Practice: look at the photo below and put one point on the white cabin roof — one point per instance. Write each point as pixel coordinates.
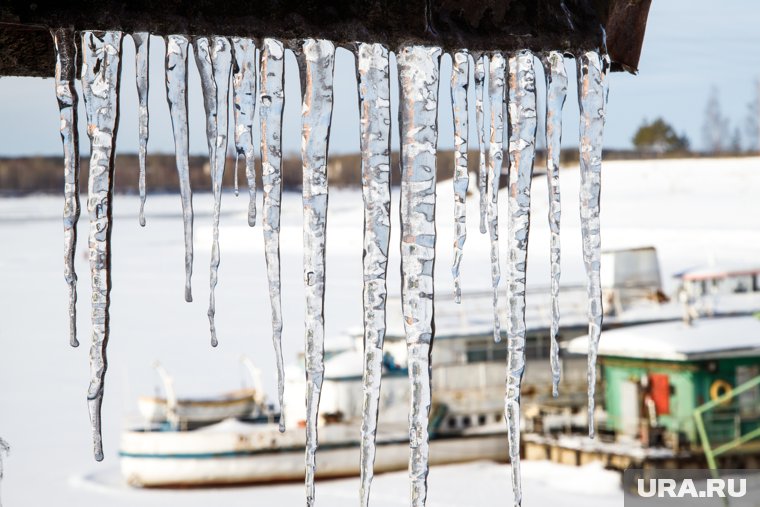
(677, 341)
(346, 364)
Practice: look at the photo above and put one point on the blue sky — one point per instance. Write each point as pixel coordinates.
(690, 46)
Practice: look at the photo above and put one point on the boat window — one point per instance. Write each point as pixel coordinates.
(481, 420)
(535, 348)
(477, 351)
(466, 421)
(749, 400)
(740, 284)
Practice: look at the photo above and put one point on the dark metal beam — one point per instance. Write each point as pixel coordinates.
(567, 25)
(626, 24)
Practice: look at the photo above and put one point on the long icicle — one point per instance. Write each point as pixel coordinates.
(142, 54)
(316, 59)
(418, 74)
(221, 56)
(244, 99)
(375, 111)
(5, 450)
(592, 101)
(68, 100)
(522, 147)
(480, 78)
(556, 92)
(202, 55)
(460, 78)
(100, 86)
(496, 70)
(272, 102)
(176, 96)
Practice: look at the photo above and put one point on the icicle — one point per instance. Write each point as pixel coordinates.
(100, 86)
(460, 78)
(592, 102)
(556, 91)
(236, 184)
(214, 60)
(270, 112)
(316, 59)
(418, 69)
(244, 97)
(68, 100)
(374, 107)
(496, 70)
(480, 78)
(202, 55)
(142, 53)
(5, 450)
(522, 146)
(176, 96)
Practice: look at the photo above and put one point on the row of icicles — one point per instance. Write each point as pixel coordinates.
(258, 82)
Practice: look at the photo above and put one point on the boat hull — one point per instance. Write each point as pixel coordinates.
(194, 467)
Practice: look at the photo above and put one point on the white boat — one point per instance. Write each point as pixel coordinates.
(236, 452)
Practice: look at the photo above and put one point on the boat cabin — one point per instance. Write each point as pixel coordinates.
(719, 289)
(469, 367)
(656, 377)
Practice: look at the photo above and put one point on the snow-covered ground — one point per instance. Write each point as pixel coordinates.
(693, 211)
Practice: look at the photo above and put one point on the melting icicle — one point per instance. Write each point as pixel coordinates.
(480, 78)
(522, 146)
(142, 52)
(68, 100)
(556, 91)
(316, 59)
(374, 107)
(236, 184)
(214, 60)
(460, 78)
(244, 98)
(592, 101)
(270, 111)
(202, 55)
(418, 69)
(100, 87)
(5, 450)
(176, 96)
(496, 70)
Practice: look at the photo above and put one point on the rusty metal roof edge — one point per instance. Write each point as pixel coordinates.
(570, 26)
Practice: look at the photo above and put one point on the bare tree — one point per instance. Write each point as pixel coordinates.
(752, 122)
(736, 141)
(715, 128)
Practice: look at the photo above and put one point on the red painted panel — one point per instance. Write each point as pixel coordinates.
(660, 391)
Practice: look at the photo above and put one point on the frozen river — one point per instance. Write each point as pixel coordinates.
(693, 211)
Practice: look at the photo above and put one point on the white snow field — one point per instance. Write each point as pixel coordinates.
(694, 211)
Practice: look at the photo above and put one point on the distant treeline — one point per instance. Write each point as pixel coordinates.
(45, 174)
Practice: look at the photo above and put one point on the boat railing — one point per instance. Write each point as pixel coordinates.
(719, 421)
